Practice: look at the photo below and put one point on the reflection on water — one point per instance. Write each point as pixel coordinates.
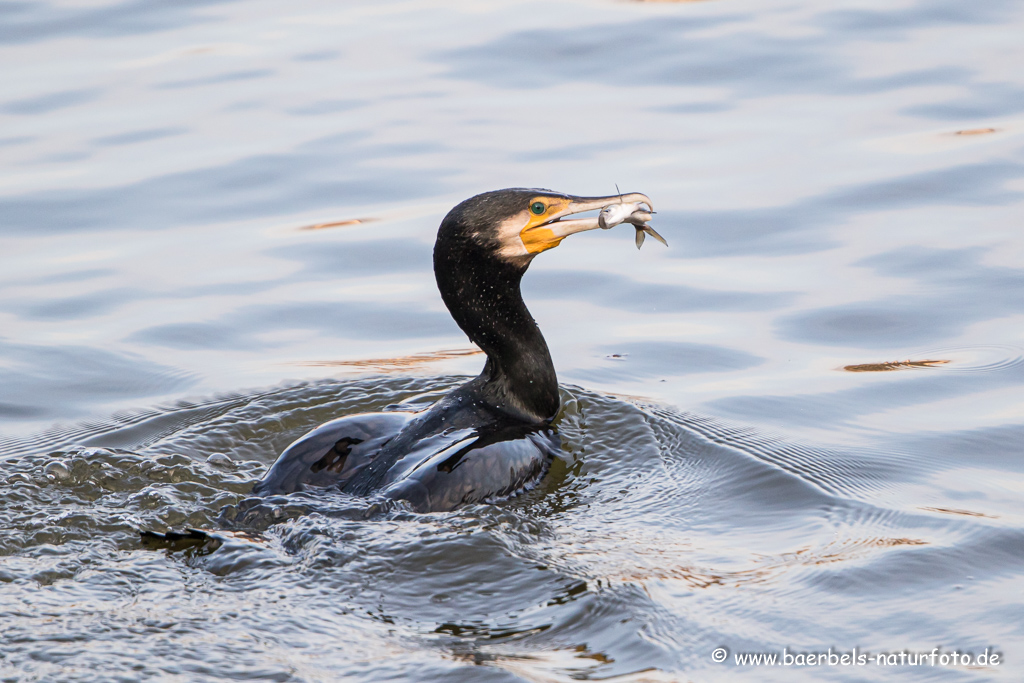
(338, 224)
(950, 511)
(840, 190)
(976, 131)
(894, 365)
(402, 363)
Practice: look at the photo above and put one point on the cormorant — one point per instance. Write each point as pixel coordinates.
(490, 437)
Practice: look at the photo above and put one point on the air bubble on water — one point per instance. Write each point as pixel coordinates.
(57, 471)
(218, 459)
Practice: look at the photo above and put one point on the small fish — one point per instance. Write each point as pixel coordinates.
(614, 214)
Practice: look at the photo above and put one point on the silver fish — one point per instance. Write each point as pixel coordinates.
(614, 214)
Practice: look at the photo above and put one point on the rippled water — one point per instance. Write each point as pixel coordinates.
(798, 427)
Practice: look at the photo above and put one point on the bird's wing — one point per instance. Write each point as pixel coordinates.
(332, 453)
(493, 465)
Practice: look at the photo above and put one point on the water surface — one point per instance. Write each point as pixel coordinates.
(761, 449)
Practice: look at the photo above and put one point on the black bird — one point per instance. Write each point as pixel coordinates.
(492, 436)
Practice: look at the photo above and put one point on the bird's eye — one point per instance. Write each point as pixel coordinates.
(538, 208)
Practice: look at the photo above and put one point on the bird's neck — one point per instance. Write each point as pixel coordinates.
(482, 293)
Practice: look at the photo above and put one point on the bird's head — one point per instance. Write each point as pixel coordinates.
(517, 224)
(483, 248)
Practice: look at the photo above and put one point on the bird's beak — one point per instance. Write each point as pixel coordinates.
(547, 231)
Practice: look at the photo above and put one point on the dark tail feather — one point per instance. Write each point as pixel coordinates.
(193, 538)
(186, 537)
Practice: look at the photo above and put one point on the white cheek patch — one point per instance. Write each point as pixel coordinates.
(508, 237)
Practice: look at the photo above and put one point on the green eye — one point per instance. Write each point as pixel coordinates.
(538, 208)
